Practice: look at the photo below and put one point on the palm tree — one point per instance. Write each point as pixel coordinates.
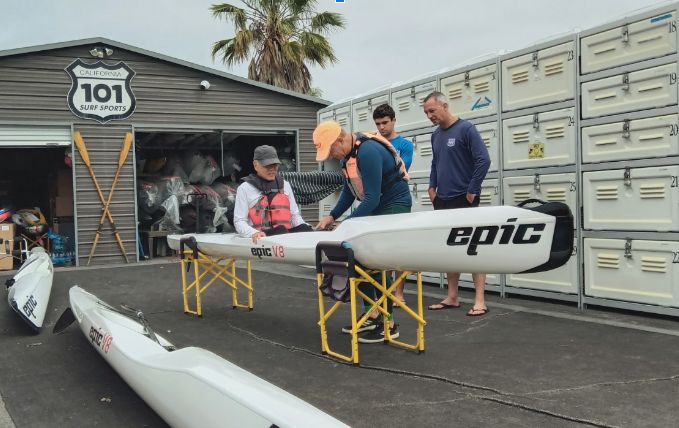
(281, 37)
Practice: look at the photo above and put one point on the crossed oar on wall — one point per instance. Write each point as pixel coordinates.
(127, 143)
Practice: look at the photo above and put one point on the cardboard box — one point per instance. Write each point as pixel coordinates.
(6, 246)
(63, 206)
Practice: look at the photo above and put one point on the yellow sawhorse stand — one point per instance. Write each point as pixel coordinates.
(207, 271)
(344, 289)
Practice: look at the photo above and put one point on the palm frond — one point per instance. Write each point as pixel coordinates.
(317, 49)
(327, 21)
(230, 12)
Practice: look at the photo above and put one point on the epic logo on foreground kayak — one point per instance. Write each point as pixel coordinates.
(485, 235)
(30, 306)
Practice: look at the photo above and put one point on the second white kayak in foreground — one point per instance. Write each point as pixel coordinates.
(188, 387)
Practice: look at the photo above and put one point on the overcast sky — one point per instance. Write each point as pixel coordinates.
(385, 41)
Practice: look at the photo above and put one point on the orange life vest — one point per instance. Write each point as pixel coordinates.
(271, 211)
(353, 174)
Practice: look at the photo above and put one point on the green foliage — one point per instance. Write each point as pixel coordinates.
(280, 37)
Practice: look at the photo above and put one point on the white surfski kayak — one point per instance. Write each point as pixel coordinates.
(29, 290)
(502, 239)
(188, 387)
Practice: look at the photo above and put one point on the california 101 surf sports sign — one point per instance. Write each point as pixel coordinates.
(100, 91)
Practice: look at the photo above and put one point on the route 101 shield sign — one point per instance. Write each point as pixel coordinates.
(100, 91)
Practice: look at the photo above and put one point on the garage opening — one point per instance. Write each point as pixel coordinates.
(36, 195)
(186, 181)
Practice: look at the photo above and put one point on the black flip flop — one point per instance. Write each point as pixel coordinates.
(443, 306)
(482, 312)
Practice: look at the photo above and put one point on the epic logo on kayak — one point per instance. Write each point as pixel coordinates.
(486, 235)
(274, 251)
(103, 341)
(30, 306)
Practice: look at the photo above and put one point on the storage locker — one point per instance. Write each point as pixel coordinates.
(491, 139)
(328, 203)
(563, 279)
(644, 199)
(326, 115)
(490, 193)
(632, 270)
(340, 115)
(539, 140)
(648, 38)
(419, 192)
(407, 103)
(362, 113)
(631, 139)
(548, 187)
(422, 156)
(630, 91)
(473, 93)
(541, 77)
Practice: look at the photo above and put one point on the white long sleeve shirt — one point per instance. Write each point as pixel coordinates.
(247, 196)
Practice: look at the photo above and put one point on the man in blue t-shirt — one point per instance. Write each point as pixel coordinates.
(373, 175)
(385, 121)
(459, 165)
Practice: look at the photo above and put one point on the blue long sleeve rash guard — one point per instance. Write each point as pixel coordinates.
(375, 164)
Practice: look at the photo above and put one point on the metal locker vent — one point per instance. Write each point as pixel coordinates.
(520, 76)
(652, 191)
(650, 88)
(342, 121)
(424, 150)
(606, 193)
(424, 199)
(557, 131)
(486, 141)
(485, 198)
(556, 195)
(605, 96)
(608, 261)
(483, 86)
(650, 137)
(420, 100)
(605, 142)
(604, 50)
(521, 195)
(554, 68)
(521, 136)
(403, 105)
(654, 264)
(327, 208)
(363, 116)
(649, 39)
(455, 93)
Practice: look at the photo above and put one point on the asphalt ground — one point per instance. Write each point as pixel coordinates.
(527, 363)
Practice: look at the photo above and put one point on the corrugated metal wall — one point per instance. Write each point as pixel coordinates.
(33, 88)
(103, 146)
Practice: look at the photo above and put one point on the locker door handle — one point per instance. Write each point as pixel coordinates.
(536, 61)
(628, 248)
(625, 34)
(625, 82)
(627, 177)
(625, 129)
